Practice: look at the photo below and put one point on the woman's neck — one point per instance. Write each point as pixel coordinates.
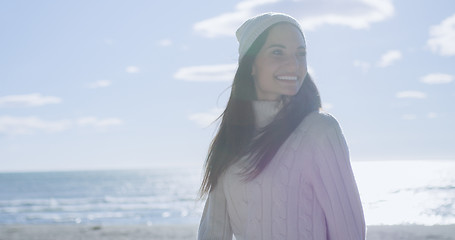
(265, 111)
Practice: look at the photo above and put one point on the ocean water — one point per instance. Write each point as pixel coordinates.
(157, 196)
(398, 192)
(407, 192)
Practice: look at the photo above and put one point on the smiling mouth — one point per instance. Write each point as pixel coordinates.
(287, 78)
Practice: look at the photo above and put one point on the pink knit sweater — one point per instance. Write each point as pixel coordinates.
(308, 190)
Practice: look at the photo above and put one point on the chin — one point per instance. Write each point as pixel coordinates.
(290, 93)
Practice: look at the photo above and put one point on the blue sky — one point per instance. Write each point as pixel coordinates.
(135, 84)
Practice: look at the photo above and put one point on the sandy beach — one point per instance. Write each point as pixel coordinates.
(411, 232)
(96, 232)
(184, 232)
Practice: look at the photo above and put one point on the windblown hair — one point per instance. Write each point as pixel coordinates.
(236, 133)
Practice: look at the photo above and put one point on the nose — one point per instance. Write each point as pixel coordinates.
(292, 63)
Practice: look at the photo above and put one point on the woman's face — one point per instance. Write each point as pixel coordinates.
(280, 66)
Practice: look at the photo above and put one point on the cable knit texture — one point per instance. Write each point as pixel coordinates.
(308, 190)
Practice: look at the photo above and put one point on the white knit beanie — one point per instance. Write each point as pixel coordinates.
(253, 27)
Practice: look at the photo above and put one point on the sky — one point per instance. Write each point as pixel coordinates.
(88, 85)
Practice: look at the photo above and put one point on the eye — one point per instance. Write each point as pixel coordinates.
(301, 54)
(277, 52)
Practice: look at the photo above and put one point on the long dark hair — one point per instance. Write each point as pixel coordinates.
(236, 131)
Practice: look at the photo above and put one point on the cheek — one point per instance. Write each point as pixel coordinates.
(303, 65)
(263, 76)
(264, 68)
(257, 67)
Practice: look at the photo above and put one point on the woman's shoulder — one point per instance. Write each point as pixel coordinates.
(317, 126)
(318, 121)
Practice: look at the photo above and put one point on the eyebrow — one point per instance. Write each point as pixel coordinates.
(282, 46)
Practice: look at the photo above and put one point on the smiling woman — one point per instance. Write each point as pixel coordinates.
(278, 167)
(280, 66)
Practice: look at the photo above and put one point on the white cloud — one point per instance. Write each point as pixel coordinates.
(311, 71)
(442, 37)
(27, 125)
(99, 123)
(411, 94)
(28, 100)
(165, 42)
(100, 84)
(327, 106)
(432, 115)
(389, 57)
(205, 119)
(357, 14)
(437, 78)
(132, 69)
(207, 73)
(365, 66)
(409, 116)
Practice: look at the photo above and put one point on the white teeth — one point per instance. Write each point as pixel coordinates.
(289, 78)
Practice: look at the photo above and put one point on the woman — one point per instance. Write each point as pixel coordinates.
(278, 168)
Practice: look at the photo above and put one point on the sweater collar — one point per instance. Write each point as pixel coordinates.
(265, 112)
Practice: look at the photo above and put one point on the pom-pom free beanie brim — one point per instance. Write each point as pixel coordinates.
(250, 30)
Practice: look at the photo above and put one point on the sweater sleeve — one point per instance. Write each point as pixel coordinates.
(215, 223)
(334, 184)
